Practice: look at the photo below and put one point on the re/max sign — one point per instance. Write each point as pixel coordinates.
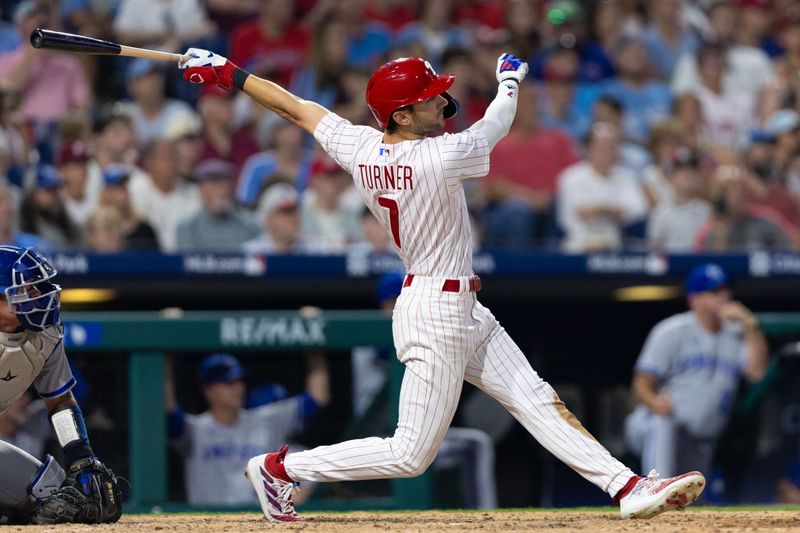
(269, 331)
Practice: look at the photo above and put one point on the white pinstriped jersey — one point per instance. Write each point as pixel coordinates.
(414, 189)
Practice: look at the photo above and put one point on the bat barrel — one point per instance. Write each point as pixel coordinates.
(69, 42)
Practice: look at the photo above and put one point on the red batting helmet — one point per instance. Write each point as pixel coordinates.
(403, 82)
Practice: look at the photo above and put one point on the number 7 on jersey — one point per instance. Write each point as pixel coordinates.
(394, 217)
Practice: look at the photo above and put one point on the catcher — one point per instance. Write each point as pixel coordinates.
(32, 352)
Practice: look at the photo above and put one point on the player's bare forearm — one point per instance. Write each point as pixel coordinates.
(318, 377)
(645, 389)
(757, 353)
(303, 113)
(54, 403)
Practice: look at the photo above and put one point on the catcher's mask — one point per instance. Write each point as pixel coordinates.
(27, 281)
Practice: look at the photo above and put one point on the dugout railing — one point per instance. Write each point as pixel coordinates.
(149, 336)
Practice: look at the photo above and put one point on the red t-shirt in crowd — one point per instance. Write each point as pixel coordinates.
(532, 162)
(243, 145)
(278, 59)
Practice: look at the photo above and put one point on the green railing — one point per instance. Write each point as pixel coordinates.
(148, 335)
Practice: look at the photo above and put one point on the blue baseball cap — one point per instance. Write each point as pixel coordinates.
(139, 67)
(219, 368)
(47, 177)
(116, 174)
(705, 278)
(389, 286)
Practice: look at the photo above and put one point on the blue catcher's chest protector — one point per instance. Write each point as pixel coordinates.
(27, 282)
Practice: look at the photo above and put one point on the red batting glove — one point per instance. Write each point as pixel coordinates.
(207, 67)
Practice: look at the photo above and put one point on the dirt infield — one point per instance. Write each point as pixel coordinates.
(410, 522)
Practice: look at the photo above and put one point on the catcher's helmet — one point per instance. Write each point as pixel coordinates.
(26, 279)
(403, 82)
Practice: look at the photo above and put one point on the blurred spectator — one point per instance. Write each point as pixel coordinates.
(138, 235)
(219, 138)
(10, 39)
(665, 139)
(168, 25)
(375, 238)
(433, 32)
(9, 234)
(282, 163)
(114, 140)
(186, 132)
(733, 226)
(785, 89)
(597, 197)
(673, 225)
(765, 182)
(49, 83)
(755, 22)
(645, 101)
(105, 231)
(161, 198)
(151, 111)
(273, 45)
(519, 194)
(42, 211)
(79, 196)
(687, 375)
(565, 103)
(784, 128)
(748, 69)
(13, 145)
(25, 424)
(522, 20)
(565, 27)
(632, 155)
(687, 111)
(320, 81)
(279, 213)
(328, 223)
(461, 63)
(393, 13)
(367, 41)
(667, 38)
(227, 14)
(605, 31)
(217, 443)
(220, 224)
(728, 114)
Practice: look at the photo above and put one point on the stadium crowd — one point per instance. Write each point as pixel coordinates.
(664, 125)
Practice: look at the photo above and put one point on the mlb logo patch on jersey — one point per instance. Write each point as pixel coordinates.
(383, 151)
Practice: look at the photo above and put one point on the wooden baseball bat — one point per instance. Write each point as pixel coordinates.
(69, 42)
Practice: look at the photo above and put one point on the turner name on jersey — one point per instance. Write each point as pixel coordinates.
(386, 177)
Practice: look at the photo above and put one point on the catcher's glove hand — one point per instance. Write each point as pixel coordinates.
(63, 506)
(99, 486)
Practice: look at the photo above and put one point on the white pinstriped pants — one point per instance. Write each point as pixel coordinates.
(444, 338)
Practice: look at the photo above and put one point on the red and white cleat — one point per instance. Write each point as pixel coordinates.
(648, 496)
(273, 488)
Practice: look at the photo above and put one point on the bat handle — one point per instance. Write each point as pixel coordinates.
(132, 51)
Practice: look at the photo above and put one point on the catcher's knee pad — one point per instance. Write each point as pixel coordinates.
(47, 480)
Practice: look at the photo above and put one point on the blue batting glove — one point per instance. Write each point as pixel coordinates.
(510, 67)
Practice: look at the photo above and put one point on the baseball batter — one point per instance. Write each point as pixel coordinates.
(413, 184)
(32, 352)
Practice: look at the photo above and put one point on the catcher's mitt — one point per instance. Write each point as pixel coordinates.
(98, 484)
(63, 506)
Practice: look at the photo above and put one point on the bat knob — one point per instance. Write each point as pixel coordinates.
(37, 38)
